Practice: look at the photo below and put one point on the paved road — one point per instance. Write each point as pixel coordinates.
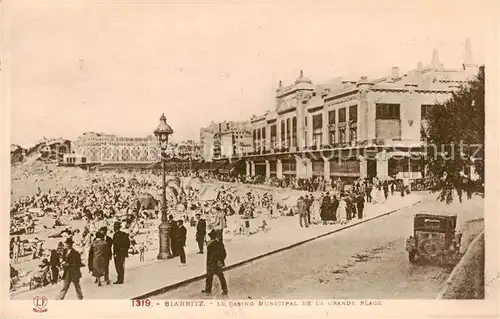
(368, 261)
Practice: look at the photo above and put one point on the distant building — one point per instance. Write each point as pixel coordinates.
(225, 140)
(109, 148)
(99, 148)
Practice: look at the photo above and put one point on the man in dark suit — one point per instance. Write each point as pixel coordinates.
(201, 231)
(216, 256)
(71, 264)
(121, 244)
(360, 203)
(109, 242)
(55, 263)
(181, 241)
(172, 234)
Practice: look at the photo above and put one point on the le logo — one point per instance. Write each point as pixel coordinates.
(40, 304)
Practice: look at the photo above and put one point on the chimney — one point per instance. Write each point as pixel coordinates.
(394, 72)
(419, 66)
(435, 60)
(468, 53)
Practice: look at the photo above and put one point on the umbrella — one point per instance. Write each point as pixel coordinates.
(147, 201)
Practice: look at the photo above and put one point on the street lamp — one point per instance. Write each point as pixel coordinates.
(162, 132)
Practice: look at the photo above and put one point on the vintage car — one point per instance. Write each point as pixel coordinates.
(434, 239)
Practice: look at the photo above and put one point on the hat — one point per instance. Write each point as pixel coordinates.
(69, 241)
(104, 228)
(117, 224)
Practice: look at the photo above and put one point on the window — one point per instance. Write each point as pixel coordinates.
(353, 113)
(317, 121)
(273, 135)
(387, 112)
(282, 132)
(342, 135)
(342, 115)
(353, 134)
(294, 131)
(331, 117)
(305, 121)
(288, 130)
(332, 137)
(264, 138)
(317, 139)
(254, 138)
(425, 110)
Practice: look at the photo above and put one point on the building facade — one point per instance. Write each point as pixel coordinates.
(225, 140)
(109, 148)
(352, 129)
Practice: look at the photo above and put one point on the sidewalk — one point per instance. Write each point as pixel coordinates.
(153, 277)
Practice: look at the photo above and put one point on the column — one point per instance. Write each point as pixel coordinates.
(309, 130)
(347, 132)
(279, 169)
(247, 164)
(326, 169)
(268, 138)
(252, 168)
(308, 168)
(363, 167)
(300, 126)
(268, 169)
(286, 134)
(325, 128)
(382, 164)
(262, 139)
(278, 133)
(299, 170)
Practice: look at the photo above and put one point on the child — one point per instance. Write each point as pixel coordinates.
(142, 249)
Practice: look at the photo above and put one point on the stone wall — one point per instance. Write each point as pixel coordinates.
(467, 279)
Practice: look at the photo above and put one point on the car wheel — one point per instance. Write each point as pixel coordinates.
(412, 257)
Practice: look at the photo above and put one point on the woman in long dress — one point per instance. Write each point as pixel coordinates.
(342, 211)
(98, 257)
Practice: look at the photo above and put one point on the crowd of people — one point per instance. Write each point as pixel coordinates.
(112, 201)
(109, 217)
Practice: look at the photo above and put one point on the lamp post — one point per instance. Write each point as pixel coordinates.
(162, 132)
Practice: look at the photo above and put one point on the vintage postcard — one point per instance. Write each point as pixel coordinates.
(296, 159)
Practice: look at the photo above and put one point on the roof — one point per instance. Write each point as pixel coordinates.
(436, 214)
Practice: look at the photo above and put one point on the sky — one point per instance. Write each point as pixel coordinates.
(115, 67)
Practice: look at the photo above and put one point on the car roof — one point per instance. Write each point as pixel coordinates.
(435, 214)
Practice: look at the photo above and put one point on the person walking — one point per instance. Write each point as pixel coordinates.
(301, 209)
(201, 231)
(369, 188)
(342, 210)
(360, 204)
(71, 264)
(308, 202)
(109, 243)
(98, 257)
(121, 244)
(385, 187)
(221, 223)
(181, 241)
(216, 256)
(55, 263)
(325, 209)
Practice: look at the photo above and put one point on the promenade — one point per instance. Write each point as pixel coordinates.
(153, 277)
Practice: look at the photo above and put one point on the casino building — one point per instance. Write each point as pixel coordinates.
(351, 129)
